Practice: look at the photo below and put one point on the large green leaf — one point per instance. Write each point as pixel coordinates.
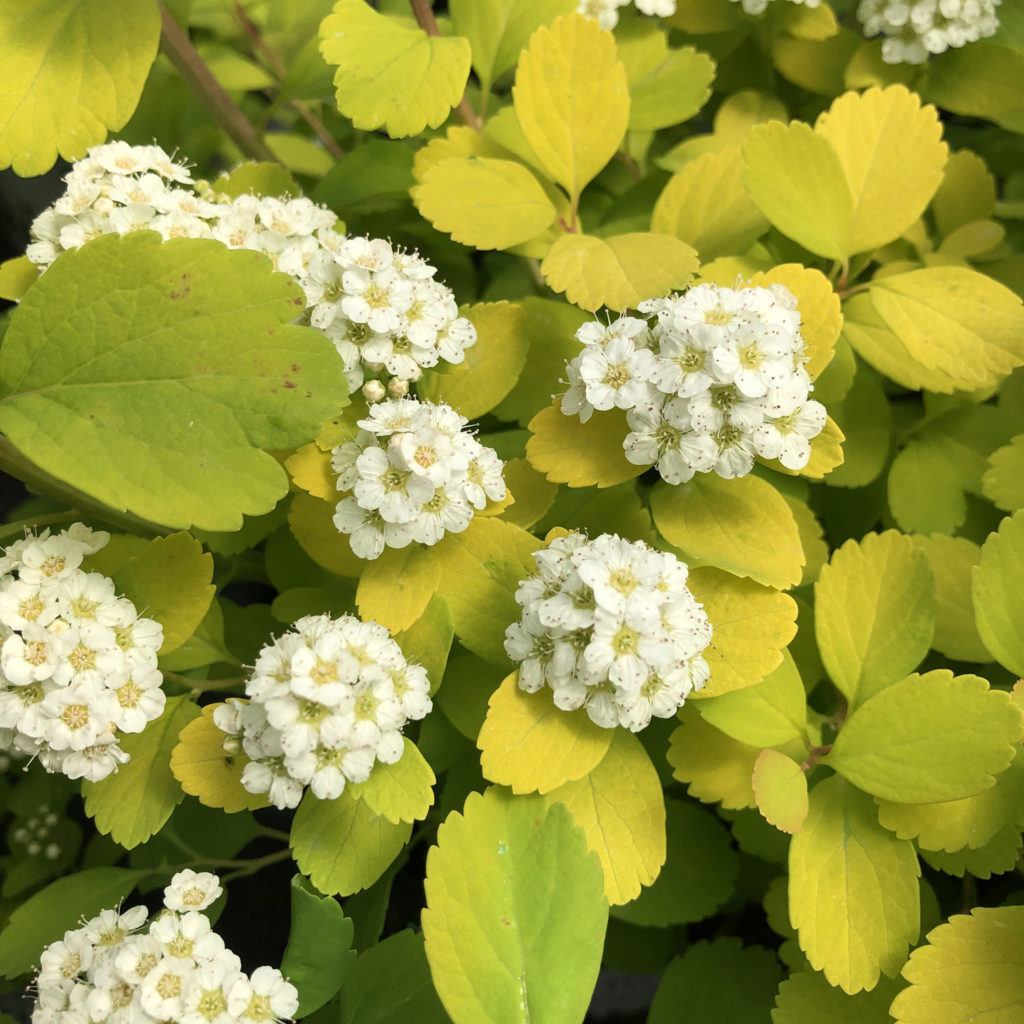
(134, 803)
(516, 914)
(874, 613)
(71, 71)
(998, 597)
(853, 892)
(806, 997)
(929, 737)
(148, 375)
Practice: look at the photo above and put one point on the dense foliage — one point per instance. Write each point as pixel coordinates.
(533, 488)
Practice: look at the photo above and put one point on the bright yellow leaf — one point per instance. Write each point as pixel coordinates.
(780, 788)
(310, 469)
(535, 494)
(572, 99)
(621, 808)
(620, 271)
(715, 767)
(529, 744)
(312, 522)
(206, 771)
(396, 588)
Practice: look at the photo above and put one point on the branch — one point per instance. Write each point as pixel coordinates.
(426, 21)
(222, 108)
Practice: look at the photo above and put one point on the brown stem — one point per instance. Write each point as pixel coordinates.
(426, 21)
(813, 755)
(277, 68)
(197, 74)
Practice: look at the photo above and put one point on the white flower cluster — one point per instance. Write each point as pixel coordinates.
(328, 699)
(381, 306)
(33, 834)
(913, 29)
(78, 663)
(606, 12)
(178, 969)
(610, 625)
(710, 379)
(414, 474)
(760, 6)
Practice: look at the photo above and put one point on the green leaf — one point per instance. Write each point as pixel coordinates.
(982, 80)
(998, 856)
(261, 178)
(484, 202)
(403, 791)
(619, 804)
(780, 788)
(71, 72)
(391, 74)
(853, 892)
(391, 985)
(863, 417)
(134, 803)
(342, 845)
(805, 997)
(715, 767)
(718, 982)
(498, 30)
(929, 737)
(970, 969)
(46, 915)
(580, 454)
(204, 647)
(515, 917)
(374, 176)
(951, 560)
(924, 490)
(954, 824)
(954, 320)
(743, 526)
(170, 581)
(490, 368)
(319, 954)
(890, 150)
(672, 92)
(428, 640)
(169, 363)
(767, 714)
(699, 873)
(620, 271)
(796, 179)
(572, 100)
(874, 613)
(967, 193)
(1003, 482)
(532, 746)
(996, 591)
(16, 276)
(707, 206)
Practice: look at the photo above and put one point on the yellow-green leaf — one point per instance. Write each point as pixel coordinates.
(490, 368)
(515, 917)
(805, 997)
(955, 320)
(997, 594)
(312, 522)
(310, 468)
(970, 969)
(864, 418)
(1003, 482)
(707, 206)
(135, 802)
(874, 613)
(620, 271)
(767, 714)
(714, 767)
(853, 891)
(396, 588)
(428, 640)
(929, 737)
(580, 454)
(484, 202)
(568, 82)
(780, 788)
(752, 625)
(795, 177)
(967, 192)
(206, 771)
(998, 856)
(71, 72)
(620, 806)
(890, 148)
(534, 493)
(391, 74)
(403, 791)
(532, 746)
(342, 845)
(16, 275)
(672, 92)
(742, 525)
(170, 580)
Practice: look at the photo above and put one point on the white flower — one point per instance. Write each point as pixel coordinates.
(915, 29)
(609, 625)
(192, 890)
(264, 997)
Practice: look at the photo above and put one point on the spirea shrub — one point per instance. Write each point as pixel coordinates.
(526, 491)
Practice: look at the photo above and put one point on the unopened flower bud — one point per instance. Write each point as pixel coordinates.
(373, 391)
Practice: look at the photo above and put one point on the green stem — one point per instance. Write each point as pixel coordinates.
(200, 79)
(12, 529)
